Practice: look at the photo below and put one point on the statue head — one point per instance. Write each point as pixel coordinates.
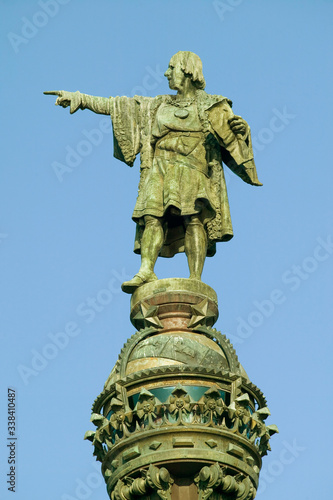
(185, 65)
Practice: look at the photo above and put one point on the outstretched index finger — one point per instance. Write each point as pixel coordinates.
(53, 92)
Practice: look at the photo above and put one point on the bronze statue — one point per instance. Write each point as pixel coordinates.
(182, 139)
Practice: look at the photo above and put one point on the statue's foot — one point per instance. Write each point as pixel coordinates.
(138, 280)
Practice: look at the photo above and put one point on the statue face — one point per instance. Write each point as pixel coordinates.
(175, 75)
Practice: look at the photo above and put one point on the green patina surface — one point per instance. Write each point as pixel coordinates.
(183, 141)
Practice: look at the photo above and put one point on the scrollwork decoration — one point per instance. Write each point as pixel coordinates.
(152, 480)
(213, 480)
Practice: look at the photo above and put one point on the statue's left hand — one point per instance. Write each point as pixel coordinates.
(238, 125)
(64, 98)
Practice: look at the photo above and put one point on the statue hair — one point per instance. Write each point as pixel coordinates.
(191, 64)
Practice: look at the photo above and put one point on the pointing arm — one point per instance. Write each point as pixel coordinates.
(77, 100)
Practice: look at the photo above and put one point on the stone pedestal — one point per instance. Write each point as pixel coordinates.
(178, 417)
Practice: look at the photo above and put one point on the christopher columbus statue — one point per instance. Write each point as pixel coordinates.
(182, 205)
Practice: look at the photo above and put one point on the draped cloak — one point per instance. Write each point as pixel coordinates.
(133, 120)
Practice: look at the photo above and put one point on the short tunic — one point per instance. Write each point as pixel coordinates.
(178, 181)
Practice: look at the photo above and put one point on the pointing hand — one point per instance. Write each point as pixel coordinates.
(63, 99)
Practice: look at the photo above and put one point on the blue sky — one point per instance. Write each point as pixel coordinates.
(66, 238)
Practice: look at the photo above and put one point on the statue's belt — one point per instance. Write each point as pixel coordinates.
(185, 148)
(182, 133)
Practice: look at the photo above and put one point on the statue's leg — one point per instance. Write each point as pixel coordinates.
(195, 246)
(151, 244)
